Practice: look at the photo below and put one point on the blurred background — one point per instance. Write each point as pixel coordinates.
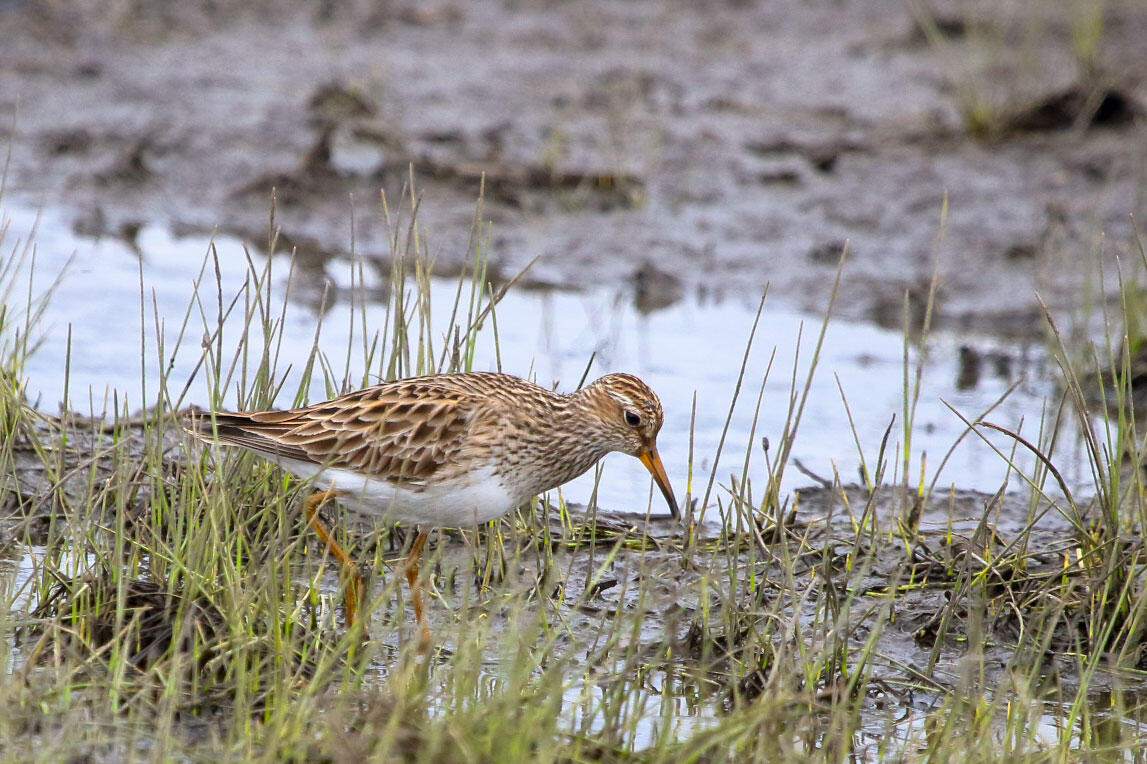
(665, 162)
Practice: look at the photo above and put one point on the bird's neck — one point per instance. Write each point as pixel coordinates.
(567, 442)
(579, 432)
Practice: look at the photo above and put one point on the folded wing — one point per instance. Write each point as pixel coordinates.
(384, 431)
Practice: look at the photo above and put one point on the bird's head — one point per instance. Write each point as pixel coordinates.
(630, 417)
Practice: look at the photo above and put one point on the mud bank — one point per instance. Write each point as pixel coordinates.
(725, 145)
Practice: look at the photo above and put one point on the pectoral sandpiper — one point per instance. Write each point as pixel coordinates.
(451, 450)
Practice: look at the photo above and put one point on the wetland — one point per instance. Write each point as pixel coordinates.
(879, 260)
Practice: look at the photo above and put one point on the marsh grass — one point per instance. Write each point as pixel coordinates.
(169, 602)
(997, 57)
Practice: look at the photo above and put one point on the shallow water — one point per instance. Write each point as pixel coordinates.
(693, 346)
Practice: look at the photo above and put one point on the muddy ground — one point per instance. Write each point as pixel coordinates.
(950, 602)
(711, 146)
(708, 147)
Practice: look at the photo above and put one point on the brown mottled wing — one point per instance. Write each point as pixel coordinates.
(397, 431)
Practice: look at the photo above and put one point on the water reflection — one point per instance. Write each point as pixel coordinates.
(968, 375)
(654, 289)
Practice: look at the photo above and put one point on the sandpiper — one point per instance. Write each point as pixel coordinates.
(446, 450)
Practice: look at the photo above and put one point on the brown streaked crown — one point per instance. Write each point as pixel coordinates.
(627, 408)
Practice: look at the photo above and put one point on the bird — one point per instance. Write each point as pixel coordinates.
(444, 450)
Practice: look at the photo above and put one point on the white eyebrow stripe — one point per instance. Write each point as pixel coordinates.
(622, 399)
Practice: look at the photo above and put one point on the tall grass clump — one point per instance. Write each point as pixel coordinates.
(171, 586)
(1068, 589)
(997, 58)
(181, 608)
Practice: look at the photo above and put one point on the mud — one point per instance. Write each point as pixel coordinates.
(680, 150)
(726, 144)
(956, 591)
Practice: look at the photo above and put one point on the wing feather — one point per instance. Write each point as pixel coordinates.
(397, 431)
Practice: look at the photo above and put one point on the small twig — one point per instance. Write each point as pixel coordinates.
(824, 482)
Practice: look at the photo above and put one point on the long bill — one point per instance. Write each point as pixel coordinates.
(652, 462)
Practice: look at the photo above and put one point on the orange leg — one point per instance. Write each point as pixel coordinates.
(354, 589)
(411, 569)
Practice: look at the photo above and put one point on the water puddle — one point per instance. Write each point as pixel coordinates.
(692, 347)
(97, 344)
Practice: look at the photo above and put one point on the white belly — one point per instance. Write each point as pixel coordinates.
(478, 500)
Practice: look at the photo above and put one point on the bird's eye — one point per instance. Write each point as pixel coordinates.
(632, 419)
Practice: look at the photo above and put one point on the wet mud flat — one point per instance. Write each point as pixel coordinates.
(674, 149)
(876, 601)
(710, 146)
